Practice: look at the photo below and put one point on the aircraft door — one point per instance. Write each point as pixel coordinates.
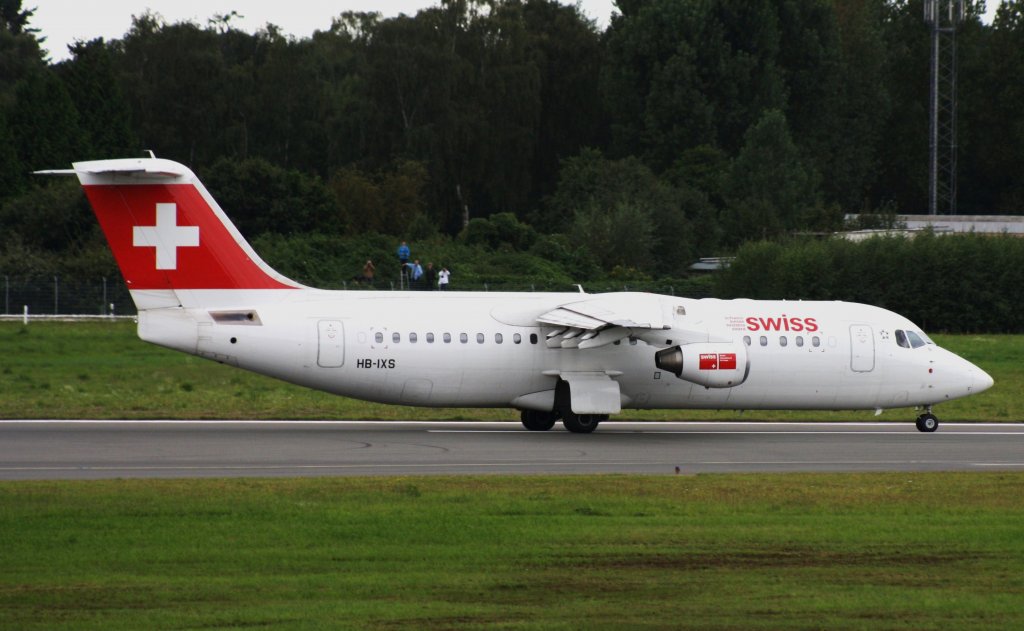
(331, 344)
(862, 348)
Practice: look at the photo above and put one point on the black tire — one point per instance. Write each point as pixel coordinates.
(927, 423)
(538, 421)
(582, 423)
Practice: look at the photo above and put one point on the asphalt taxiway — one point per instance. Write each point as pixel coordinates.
(175, 449)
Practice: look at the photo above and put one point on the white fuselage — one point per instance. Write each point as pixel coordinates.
(488, 350)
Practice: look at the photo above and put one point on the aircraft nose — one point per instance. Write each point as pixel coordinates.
(982, 380)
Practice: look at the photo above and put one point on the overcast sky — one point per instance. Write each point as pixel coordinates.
(61, 22)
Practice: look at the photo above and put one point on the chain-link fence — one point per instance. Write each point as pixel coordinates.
(56, 295)
(61, 296)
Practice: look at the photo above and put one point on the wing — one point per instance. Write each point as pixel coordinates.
(607, 318)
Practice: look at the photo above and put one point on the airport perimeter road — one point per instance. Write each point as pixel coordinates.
(174, 449)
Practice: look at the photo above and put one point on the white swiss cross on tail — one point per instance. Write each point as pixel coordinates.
(166, 236)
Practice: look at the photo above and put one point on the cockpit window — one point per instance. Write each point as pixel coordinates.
(915, 339)
(901, 339)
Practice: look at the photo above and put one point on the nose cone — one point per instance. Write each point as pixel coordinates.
(966, 374)
(982, 380)
(956, 377)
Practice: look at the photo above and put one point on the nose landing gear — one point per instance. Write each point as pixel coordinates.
(927, 422)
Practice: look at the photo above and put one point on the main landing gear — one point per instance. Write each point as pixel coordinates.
(927, 422)
(538, 421)
(582, 423)
(577, 423)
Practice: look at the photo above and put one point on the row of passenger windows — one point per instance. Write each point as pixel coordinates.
(447, 338)
(783, 340)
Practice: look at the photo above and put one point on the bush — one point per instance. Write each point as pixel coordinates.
(954, 283)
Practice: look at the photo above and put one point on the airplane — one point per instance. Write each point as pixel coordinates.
(573, 357)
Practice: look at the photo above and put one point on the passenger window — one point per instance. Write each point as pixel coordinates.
(396, 338)
(479, 338)
(815, 341)
(901, 339)
(430, 338)
(412, 338)
(533, 338)
(800, 340)
(915, 339)
(783, 341)
(463, 338)
(447, 338)
(379, 337)
(746, 340)
(498, 339)
(763, 341)
(517, 338)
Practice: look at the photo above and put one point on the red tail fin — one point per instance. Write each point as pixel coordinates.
(167, 232)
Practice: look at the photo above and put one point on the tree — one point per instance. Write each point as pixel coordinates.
(620, 235)
(991, 130)
(45, 123)
(624, 190)
(687, 73)
(20, 54)
(262, 198)
(769, 191)
(181, 91)
(386, 202)
(104, 113)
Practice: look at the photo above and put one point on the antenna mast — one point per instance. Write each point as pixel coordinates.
(943, 16)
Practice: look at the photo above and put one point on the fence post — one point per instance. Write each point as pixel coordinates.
(7, 294)
(104, 303)
(24, 315)
(56, 296)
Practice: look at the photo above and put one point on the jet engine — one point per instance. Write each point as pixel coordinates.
(708, 364)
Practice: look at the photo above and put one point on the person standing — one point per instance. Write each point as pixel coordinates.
(429, 277)
(368, 271)
(442, 278)
(403, 254)
(415, 274)
(403, 262)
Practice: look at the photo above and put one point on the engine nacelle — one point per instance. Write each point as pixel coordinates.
(708, 364)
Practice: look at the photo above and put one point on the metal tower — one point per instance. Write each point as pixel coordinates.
(943, 16)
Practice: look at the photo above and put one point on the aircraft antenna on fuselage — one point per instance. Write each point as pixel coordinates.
(580, 287)
(150, 152)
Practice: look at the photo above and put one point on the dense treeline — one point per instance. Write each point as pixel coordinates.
(955, 283)
(513, 137)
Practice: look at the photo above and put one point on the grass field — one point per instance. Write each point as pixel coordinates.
(102, 370)
(792, 551)
(873, 551)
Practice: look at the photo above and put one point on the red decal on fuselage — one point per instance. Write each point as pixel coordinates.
(782, 323)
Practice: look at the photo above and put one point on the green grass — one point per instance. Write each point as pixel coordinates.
(102, 370)
(804, 551)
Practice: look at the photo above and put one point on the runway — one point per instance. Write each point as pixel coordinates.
(177, 449)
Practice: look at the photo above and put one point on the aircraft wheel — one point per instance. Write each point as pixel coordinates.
(927, 423)
(537, 421)
(582, 423)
